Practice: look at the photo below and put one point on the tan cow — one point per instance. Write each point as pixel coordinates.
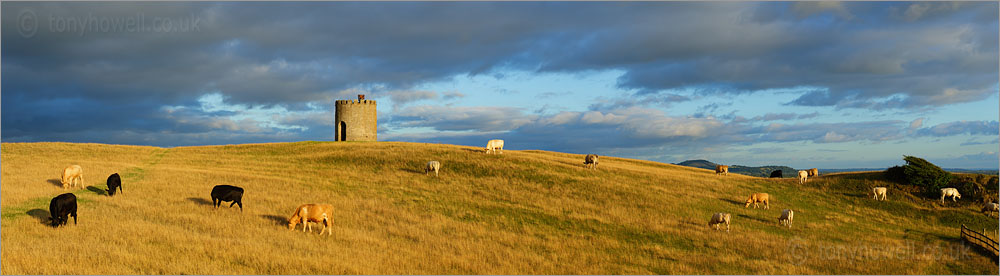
(71, 176)
(721, 169)
(879, 191)
(803, 175)
(758, 197)
(494, 145)
(813, 172)
(319, 213)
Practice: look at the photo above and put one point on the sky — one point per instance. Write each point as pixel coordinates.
(801, 84)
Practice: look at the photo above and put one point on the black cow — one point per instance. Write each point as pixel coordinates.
(776, 174)
(114, 182)
(227, 193)
(61, 207)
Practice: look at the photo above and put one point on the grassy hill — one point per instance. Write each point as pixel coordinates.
(523, 212)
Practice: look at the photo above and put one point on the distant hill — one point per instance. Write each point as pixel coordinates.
(975, 171)
(765, 171)
(704, 164)
(953, 170)
(762, 171)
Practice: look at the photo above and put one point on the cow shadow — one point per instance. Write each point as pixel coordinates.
(475, 150)
(411, 170)
(734, 202)
(856, 195)
(754, 218)
(97, 190)
(278, 220)
(55, 182)
(200, 201)
(41, 215)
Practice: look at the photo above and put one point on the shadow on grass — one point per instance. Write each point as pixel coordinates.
(411, 170)
(200, 201)
(753, 218)
(734, 202)
(855, 195)
(56, 182)
(475, 150)
(278, 220)
(41, 215)
(97, 190)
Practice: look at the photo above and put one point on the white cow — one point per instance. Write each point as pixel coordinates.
(494, 145)
(786, 217)
(990, 208)
(952, 192)
(719, 218)
(879, 191)
(802, 176)
(72, 176)
(433, 166)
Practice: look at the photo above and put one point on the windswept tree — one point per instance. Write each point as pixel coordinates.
(918, 172)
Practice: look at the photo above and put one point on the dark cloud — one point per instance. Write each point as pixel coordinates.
(59, 79)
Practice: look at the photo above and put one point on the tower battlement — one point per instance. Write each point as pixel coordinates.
(345, 102)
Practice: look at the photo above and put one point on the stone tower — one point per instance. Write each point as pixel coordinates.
(356, 120)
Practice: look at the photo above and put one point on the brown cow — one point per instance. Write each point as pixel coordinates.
(319, 213)
(723, 169)
(590, 161)
(813, 172)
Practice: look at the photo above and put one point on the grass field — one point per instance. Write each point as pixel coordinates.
(523, 212)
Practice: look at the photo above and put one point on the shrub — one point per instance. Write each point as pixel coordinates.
(895, 173)
(918, 172)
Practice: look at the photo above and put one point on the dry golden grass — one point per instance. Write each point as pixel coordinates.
(522, 212)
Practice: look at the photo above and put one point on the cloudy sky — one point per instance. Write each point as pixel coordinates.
(804, 84)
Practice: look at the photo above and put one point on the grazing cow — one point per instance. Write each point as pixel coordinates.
(319, 213)
(590, 161)
(952, 192)
(61, 207)
(71, 176)
(879, 191)
(991, 208)
(432, 166)
(758, 197)
(719, 218)
(494, 145)
(786, 217)
(776, 174)
(721, 169)
(114, 183)
(222, 193)
(813, 172)
(802, 176)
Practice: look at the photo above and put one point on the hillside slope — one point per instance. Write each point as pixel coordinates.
(523, 212)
